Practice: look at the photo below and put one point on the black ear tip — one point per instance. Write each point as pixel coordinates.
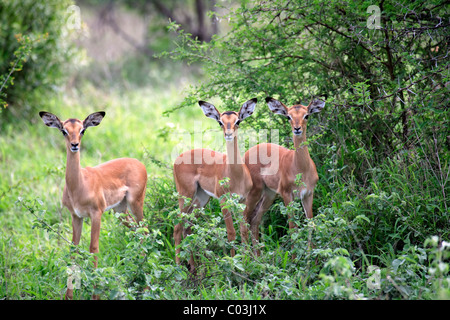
(200, 102)
(103, 113)
(268, 99)
(255, 100)
(42, 113)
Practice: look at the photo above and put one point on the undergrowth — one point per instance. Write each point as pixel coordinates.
(357, 246)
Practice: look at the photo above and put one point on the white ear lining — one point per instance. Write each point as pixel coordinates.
(247, 109)
(316, 106)
(276, 107)
(209, 110)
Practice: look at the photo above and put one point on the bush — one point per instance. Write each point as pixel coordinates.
(39, 30)
(377, 143)
(385, 87)
(379, 147)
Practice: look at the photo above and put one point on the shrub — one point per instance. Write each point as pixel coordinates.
(379, 147)
(45, 55)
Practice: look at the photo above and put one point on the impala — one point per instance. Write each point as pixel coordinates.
(267, 185)
(197, 172)
(117, 184)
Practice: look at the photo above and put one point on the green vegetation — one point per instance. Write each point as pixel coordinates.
(35, 44)
(381, 145)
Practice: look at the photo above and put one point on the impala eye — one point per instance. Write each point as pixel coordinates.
(237, 123)
(220, 122)
(306, 116)
(82, 131)
(64, 132)
(289, 117)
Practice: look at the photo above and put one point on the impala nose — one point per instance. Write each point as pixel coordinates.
(297, 131)
(229, 136)
(74, 147)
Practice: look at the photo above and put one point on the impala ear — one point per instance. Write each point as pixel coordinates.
(277, 107)
(93, 119)
(247, 109)
(209, 110)
(51, 120)
(316, 106)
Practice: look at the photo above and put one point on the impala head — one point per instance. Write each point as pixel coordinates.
(229, 120)
(297, 114)
(72, 129)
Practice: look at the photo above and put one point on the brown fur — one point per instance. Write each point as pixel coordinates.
(197, 172)
(88, 192)
(290, 163)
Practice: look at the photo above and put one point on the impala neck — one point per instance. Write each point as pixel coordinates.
(234, 160)
(73, 170)
(301, 155)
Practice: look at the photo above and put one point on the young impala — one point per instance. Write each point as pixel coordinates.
(117, 184)
(197, 172)
(268, 184)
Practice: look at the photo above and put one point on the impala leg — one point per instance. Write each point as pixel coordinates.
(94, 246)
(95, 235)
(251, 203)
(179, 232)
(262, 207)
(188, 231)
(77, 226)
(307, 203)
(127, 220)
(287, 199)
(136, 204)
(231, 232)
(133, 208)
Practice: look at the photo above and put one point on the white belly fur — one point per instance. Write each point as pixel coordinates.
(210, 194)
(82, 214)
(113, 205)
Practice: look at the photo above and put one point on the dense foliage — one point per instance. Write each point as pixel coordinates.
(385, 81)
(36, 53)
(382, 142)
(385, 85)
